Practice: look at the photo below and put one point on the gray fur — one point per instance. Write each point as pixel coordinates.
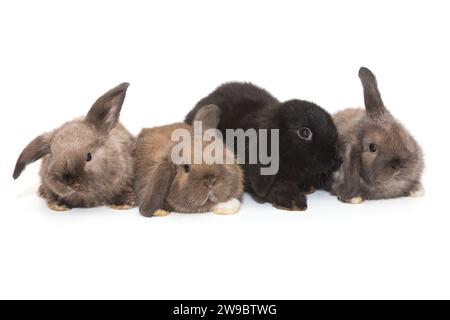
(68, 179)
(394, 170)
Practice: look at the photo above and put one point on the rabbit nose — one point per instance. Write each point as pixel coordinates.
(396, 163)
(70, 179)
(210, 181)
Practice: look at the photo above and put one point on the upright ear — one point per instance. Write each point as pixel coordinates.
(158, 186)
(372, 97)
(37, 149)
(209, 116)
(105, 112)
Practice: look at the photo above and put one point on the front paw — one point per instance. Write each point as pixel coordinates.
(41, 192)
(122, 207)
(352, 200)
(417, 192)
(58, 207)
(310, 190)
(227, 208)
(290, 202)
(161, 213)
(125, 201)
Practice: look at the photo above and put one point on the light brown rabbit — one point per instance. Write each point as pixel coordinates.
(381, 159)
(87, 162)
(163, 186)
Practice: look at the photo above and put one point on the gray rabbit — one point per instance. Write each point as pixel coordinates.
(87, 162)
(381, 159)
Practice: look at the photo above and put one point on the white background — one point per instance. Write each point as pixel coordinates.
(57, 57)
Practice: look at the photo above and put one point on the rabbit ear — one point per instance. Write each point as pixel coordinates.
(351, 169)
(372, 97)
(105, 112)
(37, 149)
(209, 116)
(260, 184)
(157, 190)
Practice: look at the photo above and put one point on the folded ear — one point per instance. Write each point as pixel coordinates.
(372, 97)
(351, 169)
(260, 184)
(105, 112)
(158, 186)
(36, 149)
(209, 116)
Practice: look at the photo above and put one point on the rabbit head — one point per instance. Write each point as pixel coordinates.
(199, 187)
(308, 134)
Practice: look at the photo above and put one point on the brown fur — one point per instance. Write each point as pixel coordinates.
(160, 184)
(67, 178)
(394, 170)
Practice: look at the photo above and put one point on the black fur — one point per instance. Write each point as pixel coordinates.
(245, 106)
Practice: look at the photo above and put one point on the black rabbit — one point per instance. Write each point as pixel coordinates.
(307, 141)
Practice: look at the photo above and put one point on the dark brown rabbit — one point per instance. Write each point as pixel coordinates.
(87, 162)
(163, 186)
(381, 159)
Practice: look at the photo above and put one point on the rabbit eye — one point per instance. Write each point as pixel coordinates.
(373, 147)
(187, 168)
(88, 157)
(305, 134)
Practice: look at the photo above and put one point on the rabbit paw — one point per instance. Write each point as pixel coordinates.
(291, 203)
(124, 201)
(418, 192)
(355, 200)
(310, 190)
(293, 207)
(161, 213)
(58, 207)
(122, 207)
(41, 192)
(227, 208)
(287, 196)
